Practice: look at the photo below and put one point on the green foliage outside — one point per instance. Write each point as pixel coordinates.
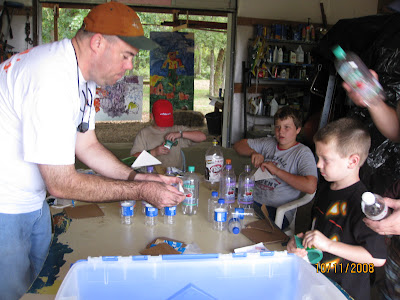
(70, 20)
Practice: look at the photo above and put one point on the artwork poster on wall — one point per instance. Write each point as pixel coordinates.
(172, 69)
(121, 101)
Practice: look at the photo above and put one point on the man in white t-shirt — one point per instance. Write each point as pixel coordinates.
(155, 138)
(46, 120)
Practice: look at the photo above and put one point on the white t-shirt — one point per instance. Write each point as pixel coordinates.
(40, 109)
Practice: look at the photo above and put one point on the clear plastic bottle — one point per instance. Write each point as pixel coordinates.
(234, 223)
(169, 215)
(242, 213)
(151, 215)
(373, 206)
(220, 215)
(150, 170)
(127, 211)
(214, 160)
(246, 188)
(211, 204)
(191, 190)
(356, 74)
(227, 186)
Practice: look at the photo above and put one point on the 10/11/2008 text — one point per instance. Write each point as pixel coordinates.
(356, 268)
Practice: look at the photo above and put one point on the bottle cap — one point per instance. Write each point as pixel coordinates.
(214, 194)
(229, 167)
(150, 168)
(339, 52)
(191, 168)
(368, 198)
(235, 230)
(221, 201)
(228, 161)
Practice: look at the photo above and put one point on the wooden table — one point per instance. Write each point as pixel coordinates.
(106, 236)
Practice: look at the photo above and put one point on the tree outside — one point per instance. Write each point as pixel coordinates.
(209, 58)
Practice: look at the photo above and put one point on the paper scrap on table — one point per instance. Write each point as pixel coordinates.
(260, 175)
(252, 249)
(145, 159)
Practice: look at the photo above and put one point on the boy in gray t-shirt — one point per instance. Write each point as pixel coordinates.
(292, 163)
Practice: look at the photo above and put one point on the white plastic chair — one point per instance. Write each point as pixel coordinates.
(280, 212)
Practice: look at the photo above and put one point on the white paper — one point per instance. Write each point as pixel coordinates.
(145, 159)
(252, 249)
(260, 175)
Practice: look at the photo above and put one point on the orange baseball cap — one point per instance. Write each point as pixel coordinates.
(113, 18)
(163, 113)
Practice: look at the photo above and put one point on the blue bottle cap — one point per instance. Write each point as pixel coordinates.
(214, 194)
(221, 200)
(191, 168)
(235, 230)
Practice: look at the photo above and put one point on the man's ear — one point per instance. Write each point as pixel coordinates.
(97, 42)
(354, 161)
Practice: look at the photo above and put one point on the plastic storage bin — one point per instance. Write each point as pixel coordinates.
(266, 275)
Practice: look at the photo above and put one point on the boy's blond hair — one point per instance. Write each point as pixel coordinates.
(349, 136)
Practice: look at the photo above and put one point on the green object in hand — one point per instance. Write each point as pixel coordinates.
(128, 160)
(168, 144)
(314, 255)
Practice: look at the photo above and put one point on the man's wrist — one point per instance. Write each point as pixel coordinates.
(181, 133)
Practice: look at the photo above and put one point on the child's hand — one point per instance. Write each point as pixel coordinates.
(316, 239)
(292, 248)
(270, 166)
(257, 159)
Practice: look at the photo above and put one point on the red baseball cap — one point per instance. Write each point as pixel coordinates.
(163, 113)
(113, 18)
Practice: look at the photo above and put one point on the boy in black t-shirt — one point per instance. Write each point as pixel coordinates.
(351, 250)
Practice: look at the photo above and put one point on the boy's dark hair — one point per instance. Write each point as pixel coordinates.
(289, 112)
(349, 136)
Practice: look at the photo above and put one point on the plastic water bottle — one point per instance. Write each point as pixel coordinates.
(246, 188)
(234, 224)
(220, 215)
(169, 215)
(212, 202)
(227, 185)
(373, 206)
(356, 74)
(127, 211)
(214, 160)
(150, 170)
(242, 213)
(151, 215)
(191, 190)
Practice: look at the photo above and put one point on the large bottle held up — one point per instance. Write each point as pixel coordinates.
(356, 74)
(246, 188)
(214, 160)
(191, 190)
(374, 207)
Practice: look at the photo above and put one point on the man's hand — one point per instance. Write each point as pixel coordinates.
(160, 150)
(160, 195)
(389, 225)
(172, 136)
(316, 239)
(257, 159)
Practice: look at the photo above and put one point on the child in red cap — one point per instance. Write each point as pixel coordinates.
(163, 139)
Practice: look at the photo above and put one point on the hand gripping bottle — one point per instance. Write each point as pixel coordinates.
(356, 74)
(150, 170)
(246, 188)
(373, 206)
(127, 211)
(191, 190)
(214, 160)
(227, 185)
(220, 215)
(212, 202)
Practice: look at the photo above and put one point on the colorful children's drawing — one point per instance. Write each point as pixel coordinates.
(172, 69)
(121, 101)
